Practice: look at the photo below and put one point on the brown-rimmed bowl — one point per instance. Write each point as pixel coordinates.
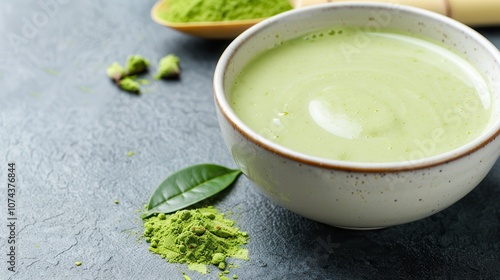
(359, 195)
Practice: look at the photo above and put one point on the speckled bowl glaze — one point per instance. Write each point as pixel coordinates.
(350, 194)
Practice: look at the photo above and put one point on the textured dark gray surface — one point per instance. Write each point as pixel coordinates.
(68, 129)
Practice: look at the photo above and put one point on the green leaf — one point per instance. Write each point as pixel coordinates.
(189, 186)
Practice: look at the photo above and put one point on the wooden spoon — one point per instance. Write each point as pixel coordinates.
(477, 12)
(208, 29)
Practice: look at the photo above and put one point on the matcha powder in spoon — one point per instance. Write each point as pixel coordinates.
(197, 237)
(222, 10)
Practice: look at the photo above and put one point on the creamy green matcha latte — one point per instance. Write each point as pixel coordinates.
(351, 95)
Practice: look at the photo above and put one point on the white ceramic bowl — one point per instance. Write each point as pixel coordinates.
(350, 194)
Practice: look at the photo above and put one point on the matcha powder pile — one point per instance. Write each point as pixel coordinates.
(196, 237)
(222, 10)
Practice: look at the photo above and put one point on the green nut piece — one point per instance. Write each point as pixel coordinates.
(162, 216)
(129, 85)
(168, 68)
(115, 71)
(136, 64)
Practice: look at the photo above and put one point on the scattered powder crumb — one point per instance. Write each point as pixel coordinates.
(51, 71)
(168, 68)
(144, 82)
(128, 84)
(136, 64)
(78, 263)
(199, 267)
(85, 89)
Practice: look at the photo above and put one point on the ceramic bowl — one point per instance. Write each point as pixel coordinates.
(352, 194)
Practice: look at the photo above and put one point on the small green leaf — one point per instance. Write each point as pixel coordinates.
(189, 186)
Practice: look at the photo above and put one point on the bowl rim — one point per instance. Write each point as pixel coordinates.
(353, 166)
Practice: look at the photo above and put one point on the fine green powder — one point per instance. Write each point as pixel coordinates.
(222, 10)
(199, 236)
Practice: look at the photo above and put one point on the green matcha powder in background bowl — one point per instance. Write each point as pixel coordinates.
(222, 10)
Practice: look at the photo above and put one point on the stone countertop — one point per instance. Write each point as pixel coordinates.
(69, 130)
